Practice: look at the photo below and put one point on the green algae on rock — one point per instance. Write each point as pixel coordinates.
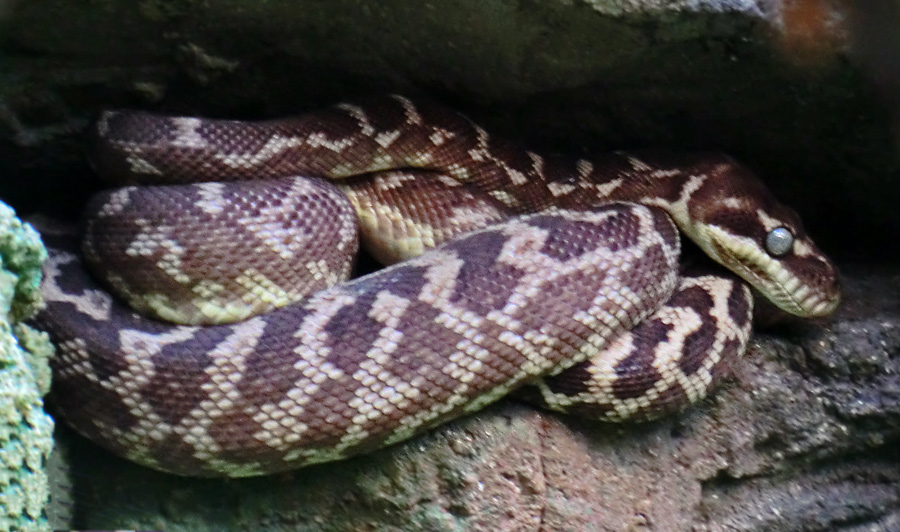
(25, 430)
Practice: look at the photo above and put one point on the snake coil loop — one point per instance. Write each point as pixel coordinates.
(553, 277)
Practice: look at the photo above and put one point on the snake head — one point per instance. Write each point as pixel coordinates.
(736, 220)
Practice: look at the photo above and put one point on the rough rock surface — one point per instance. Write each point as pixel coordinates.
(25, 430)
(805, 437)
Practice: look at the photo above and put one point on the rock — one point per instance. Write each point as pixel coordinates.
(771, 82)
(805, 437)
(25, 430)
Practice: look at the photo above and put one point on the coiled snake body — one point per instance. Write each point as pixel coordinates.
(553, 268)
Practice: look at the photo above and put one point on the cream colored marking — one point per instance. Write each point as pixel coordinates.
(278, 144)
(319, 140)
(197, 436)
(516, 177)
(504, 197)
(397, 236)
(325, 276)
(165, 308)
(76, 356)
(537, 163)
(152, 239)
(478, 154)
(481, 153)
(387, 138)
(392, 180)
(589, 349)
(465, 363)
(448, 181)
(662, 173)
(355, 435)
(212, 199)
(767, 221)
(684, 323)
(187, 135)
(537, 347)
(119, 200)
(387, 308)
(440, 136)
(228, 365)
(520, 248)
(470, 217)
(349, 235)
(207, 288)
(380, 161)
(359, 114)
(720, 289)
(461, 173)
(149, 429)
(679, 209)
(602, 371)
(803, 249)
(375, 397)
(95, 303)
(313, 350)
(411, 423)
(419, 159)
(560, 189)
(604, 190)
(736, 203)
(584, 169)
(344, 170)
(442, 277)
(137, 347)
(263, 288)
(409, 108)
(637, 164)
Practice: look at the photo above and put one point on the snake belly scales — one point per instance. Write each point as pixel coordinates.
(553, 277)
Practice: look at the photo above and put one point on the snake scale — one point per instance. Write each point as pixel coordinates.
(553, 277)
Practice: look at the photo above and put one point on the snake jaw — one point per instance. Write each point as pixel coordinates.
(772, 276)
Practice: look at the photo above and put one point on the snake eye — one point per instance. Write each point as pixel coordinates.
(779, 242)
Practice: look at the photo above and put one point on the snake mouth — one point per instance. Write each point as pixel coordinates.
(772, 278)
(791, 295)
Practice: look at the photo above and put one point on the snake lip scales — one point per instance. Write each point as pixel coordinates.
(553, 277)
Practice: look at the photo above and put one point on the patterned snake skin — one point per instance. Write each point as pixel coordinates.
(557, 278)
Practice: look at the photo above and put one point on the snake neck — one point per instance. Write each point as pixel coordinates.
(690, 188)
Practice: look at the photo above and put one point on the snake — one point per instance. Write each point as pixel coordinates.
(553, 277)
